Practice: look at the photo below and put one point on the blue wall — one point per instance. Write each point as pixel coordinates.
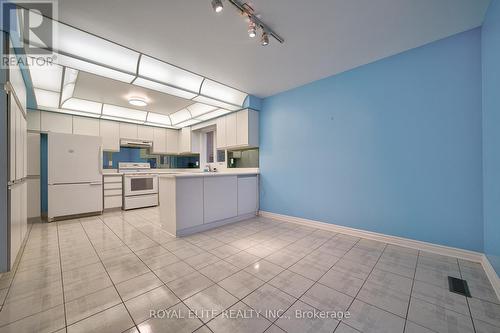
(392, 147)
(491, 133)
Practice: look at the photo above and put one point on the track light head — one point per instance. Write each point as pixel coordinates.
(252, 29)
(217, 6)
(264, 40)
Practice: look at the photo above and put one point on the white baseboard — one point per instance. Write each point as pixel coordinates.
(492, 275)
(406, 242)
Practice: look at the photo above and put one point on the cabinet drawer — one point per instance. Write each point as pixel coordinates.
(112, 202)
(112, 179)
(112, 186)
(108, 193)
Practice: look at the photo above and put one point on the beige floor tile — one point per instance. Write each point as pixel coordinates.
(115, 319)
(138, 285)
(157, 299)
(91, 304)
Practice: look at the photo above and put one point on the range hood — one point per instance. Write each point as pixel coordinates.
(135, 143)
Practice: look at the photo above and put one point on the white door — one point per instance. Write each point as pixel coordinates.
(74, 159)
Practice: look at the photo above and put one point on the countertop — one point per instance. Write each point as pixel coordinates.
(207, 174)
(188, 173)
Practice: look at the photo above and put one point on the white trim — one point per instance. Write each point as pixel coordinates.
(491, 274)
(406, 242)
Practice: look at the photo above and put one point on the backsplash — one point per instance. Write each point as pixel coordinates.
(248, 158)
(131, 154)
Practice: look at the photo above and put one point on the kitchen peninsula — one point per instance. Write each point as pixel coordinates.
(194, 202)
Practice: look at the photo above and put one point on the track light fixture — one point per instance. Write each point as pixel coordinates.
(217, 6)
(252, 29)
(255, 22)
(264, 40)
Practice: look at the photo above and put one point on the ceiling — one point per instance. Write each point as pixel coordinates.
(322, 37)
(101, 89)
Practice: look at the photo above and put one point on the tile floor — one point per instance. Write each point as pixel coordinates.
(106, 273)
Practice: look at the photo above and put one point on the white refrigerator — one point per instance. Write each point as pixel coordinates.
(74, 175)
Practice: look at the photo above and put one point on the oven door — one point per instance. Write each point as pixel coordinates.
(140, 184)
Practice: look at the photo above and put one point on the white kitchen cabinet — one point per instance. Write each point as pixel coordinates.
(159, 141)
(172, 141)
(21, 140)
(86, 126)
(185, 140)
(198, 202)
(181, 204)
(18, 172)
(128, 131)
(220, 198)
(56, 122)
(248, 194)
(33, 197)
(189, 202)
(145, 133)
(33, 154)
(112, 191)
(34, 120)
(16, 203)
(221, 132)
(238, 130)
(247, 128)
(231, 130)
(189, 141)
(110, 135)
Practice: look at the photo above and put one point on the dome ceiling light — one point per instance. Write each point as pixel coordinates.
(137, 101)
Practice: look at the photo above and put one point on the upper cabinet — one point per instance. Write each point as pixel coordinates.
(172, 141)
(33, 154)
(128, 131)
(110, 135)
(231, 130)
(56, 122)
(238, 130)
(234, 131)
(221, 132)
(145, 133)
(86, 126)
(33, 118)
(247, 130)
(159, 141)
(188, 141)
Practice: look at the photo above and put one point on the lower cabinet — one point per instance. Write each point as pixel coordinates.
(220, 198)
(33, 197)
(189, 202)
(113, 195)
(18, 217)
(248, 194)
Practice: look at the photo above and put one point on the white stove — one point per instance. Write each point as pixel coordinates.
(140, 187)
(131, 167)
